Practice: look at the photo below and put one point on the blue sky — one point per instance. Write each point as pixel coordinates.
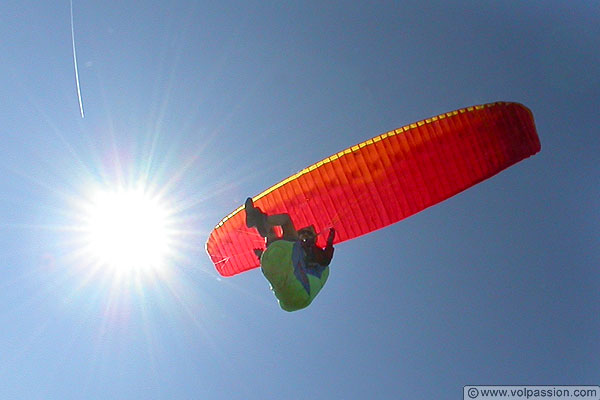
(207, 103)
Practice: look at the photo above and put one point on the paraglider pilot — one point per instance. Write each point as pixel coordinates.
(293, 263)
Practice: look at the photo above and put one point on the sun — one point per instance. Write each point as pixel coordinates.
(127, 230)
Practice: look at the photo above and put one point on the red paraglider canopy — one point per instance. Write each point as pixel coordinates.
(385, 179)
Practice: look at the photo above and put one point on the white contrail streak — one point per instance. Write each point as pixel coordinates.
(75, 63)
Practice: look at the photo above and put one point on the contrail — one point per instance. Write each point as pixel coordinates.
(75, 63)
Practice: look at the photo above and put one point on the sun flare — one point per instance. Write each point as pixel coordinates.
(127, 230)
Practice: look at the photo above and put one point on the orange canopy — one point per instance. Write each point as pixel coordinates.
(385, 179)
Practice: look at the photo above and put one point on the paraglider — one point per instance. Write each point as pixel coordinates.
(384, 179)
(294, 265)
